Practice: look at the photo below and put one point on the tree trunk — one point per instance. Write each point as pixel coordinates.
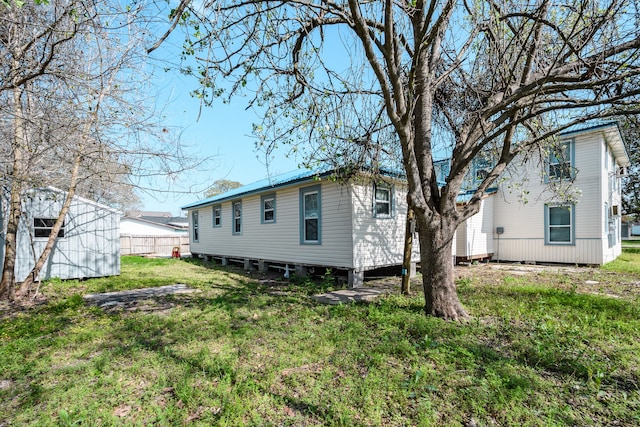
(436, 257)
(7, 289)
(408, 249)
(7, 283)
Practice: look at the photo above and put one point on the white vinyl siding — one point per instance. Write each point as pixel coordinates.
(280, 241)
(524, 224)
(135, 227)
(474, 237)
(378, 242)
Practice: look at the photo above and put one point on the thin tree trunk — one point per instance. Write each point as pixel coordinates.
(436, 255)
(408, 249)
(7, 283)
(7, 288)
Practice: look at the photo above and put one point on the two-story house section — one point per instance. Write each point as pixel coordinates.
(565, 205)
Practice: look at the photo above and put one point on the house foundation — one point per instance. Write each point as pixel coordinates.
(356, 278)
(301, 270)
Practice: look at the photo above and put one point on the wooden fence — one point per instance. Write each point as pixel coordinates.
(157, 245)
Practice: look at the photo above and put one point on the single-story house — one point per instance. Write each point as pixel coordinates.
(304, 219)
(88, 244)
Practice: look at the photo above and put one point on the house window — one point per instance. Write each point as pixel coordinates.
(237, 217)
(194, 223)
(560, 161)
(559, 224)
(217, 216)
(42, 227)
(310, 215)
(268, 208)
(610, 223)
(382, 201)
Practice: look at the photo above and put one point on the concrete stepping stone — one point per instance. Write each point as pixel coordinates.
(345, 296)
(113, 298)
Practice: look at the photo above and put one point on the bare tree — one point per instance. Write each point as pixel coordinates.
(448, 78)
(220, 186)
(71, 76)
(630, 129)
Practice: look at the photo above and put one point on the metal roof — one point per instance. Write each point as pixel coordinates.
(466, 196)
(263, 185)
(278, 181)
(612, 136)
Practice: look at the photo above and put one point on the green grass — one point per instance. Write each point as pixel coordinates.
(542, 349)
(631, 243)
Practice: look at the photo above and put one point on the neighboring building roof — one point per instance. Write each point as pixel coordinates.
(157, 214)
(179, 223)
(612, 136)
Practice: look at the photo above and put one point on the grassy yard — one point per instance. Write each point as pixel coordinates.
(543, 348)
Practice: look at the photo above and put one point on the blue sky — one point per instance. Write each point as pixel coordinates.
(223, 131)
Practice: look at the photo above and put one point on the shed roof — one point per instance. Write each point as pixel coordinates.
(51, 189)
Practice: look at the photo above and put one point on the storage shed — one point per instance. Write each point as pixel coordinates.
(88, 244)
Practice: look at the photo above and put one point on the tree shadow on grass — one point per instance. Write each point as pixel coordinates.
(495, 355)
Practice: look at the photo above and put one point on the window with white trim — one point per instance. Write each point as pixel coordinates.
(268, 208)
(42, 227)
(194, 225)
(382, 200)
(237, 217)
(559, 224)
(310, 215)
(217, 216)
